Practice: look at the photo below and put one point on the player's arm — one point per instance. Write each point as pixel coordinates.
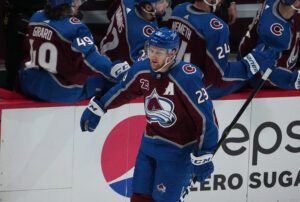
(126, 90)
(218, 47)
(285, 79)
(200, 107)
(83, 42)
(203, 114)
(258, 60)
(232, 12)
(218, 52)
(273, 33)
(123, 92)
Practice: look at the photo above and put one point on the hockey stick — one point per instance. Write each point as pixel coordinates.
(231, 125)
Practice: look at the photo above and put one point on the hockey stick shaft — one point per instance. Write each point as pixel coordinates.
(232, 124)
(243, 108)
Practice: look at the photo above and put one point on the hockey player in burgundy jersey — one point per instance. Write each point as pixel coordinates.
(63, 63)
(131, 23)
(205, 43)
(180, 120)
(277, 24)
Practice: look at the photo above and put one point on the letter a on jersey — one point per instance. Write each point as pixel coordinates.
(169, 89)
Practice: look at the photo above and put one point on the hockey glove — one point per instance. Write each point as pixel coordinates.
(202, 166)
(118, 69)
(259, 60)
(91, 115)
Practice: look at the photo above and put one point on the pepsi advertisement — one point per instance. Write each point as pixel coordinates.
(44, 156)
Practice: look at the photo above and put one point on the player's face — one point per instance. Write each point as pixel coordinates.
(160, 6)
(297, 4)
(216, 3)
(157, 57)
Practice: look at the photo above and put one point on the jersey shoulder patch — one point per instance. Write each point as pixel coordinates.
(274, 31)
(216, 24)
(189, 69)
(74, 20)
(214, 28)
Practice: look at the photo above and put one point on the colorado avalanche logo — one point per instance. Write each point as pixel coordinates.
(277, 29)
(216, 24)
(148, 30)
(159, 110)
(143, 56)
(291, 62)
(161, 188)
(188, 69)
(74, 20)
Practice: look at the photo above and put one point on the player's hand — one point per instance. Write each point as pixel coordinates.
(260, 60)
(202, 166)
(91, 116)
(232, 13)
(118, 69)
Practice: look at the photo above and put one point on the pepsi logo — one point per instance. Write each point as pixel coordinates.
(277, 29)
(119, 153)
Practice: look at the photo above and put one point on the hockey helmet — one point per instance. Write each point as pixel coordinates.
(287, 2)
(165, 38)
